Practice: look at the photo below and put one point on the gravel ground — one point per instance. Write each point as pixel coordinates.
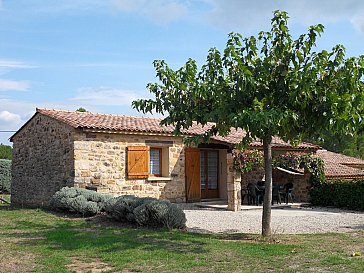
(286, 220)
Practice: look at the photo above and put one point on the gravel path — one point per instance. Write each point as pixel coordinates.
(287, 220)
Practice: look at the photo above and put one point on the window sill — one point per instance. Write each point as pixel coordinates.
(159, 178)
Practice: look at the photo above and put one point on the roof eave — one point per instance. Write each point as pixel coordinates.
(345, 176)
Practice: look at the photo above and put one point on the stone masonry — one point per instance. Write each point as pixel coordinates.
(233, 186)
(49, 155)
(42, 161)
(101, 162)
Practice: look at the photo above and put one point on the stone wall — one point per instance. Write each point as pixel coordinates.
(233, 185)
(42, 161)
(301, 186)
(101, 162)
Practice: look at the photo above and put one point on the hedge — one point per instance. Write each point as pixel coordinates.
(5, 175)
(81, 201)
(341, 194)
(127, 208)
(146, 212)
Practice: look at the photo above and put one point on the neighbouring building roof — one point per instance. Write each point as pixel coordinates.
(122, 123)
(341, 166)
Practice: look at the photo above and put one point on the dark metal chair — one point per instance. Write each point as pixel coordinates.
(244, 192)
(276, 196)
(255, 194)
(288, 192)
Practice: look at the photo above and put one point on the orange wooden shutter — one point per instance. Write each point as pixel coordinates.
(138, 162)
(193, 184)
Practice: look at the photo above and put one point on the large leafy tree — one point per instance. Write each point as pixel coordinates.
(5, 151)
(269, 84)
(348, 144)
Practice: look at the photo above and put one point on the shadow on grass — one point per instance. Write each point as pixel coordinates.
(100, 234)
(56, 239)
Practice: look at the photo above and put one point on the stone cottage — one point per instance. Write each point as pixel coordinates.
(125, 155)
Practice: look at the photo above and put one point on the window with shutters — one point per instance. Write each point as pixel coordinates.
(145, 161)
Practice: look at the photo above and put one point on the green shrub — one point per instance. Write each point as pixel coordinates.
(341, 194)
(127, 208)
(142, 215)
(121, 208)
(145, 212)
(164, 213)
(76, 200)
(5, 175)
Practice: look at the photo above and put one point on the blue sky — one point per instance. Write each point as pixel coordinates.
(98, 54)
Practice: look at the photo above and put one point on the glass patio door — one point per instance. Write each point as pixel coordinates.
(209, 173)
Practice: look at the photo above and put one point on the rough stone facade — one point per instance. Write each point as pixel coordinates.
(233, 185)
(42, 161)
(301, 186)
(101, 162)
(49, 155)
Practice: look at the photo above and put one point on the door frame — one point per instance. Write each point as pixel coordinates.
(193, 175)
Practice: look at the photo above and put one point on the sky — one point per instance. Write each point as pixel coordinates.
(98, 54)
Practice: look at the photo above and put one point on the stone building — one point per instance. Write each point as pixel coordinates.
(126, 155)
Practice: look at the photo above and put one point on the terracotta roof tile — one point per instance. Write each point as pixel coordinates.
(341, 166)
(149, 125)
(339, 158)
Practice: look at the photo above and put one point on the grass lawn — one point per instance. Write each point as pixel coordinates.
(36, 240)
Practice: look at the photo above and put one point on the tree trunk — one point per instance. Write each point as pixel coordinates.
(267, 204)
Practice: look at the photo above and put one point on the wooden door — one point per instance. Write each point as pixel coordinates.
(192, 169)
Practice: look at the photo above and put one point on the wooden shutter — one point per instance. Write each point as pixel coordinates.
(193, 184)
(138, 162)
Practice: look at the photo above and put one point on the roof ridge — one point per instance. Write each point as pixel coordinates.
(40, 110)
(143, 124)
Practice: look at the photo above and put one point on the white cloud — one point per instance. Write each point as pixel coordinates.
(22, 108)
(56, 6)
(13, 114)
(10, 85)
(9, 65)
(105, 96)
(358, 23)
(239, 14)
(10, 118)
(4, 63)
(160, 11)
(228, 14)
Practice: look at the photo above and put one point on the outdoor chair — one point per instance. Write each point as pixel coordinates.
(276, 194)
(244, 192)
(288, 192)
(255, 195)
